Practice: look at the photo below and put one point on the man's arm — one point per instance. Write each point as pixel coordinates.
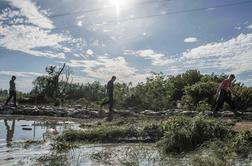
(231, 84)
(219, 89)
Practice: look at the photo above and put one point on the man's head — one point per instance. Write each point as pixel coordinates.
(113, 78)
(231, 77)
(13, 78)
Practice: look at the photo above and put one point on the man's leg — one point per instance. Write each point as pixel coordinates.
(231, 104)
(14, 98)
(111, 104)
(7, 101)
(220, 102)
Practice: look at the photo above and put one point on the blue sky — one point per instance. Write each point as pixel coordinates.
(38, 33)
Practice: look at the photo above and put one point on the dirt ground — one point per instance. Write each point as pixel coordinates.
(242, 126)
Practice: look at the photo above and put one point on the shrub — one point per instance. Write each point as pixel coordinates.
(201, 91)
(203, 106)
(57, 102)
(242, 96)
(185, 134)
(242, 143)
(209, 161)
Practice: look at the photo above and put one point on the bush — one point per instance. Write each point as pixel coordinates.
(242, 143)
(232, 151)
(242, 96)
(210, 161)
(57, 102)
(185, 134)
(201, 91)
(203, 106)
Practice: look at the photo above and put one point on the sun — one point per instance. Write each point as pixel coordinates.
(119, 4)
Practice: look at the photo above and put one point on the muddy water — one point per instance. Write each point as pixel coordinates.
(16, 131)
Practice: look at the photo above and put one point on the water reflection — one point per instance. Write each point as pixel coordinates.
(14, 130)
(10, 132)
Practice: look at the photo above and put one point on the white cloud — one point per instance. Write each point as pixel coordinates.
(31, 12)
(29, 38)
(66, 49)
(76, 55)
(238, 28)
(210, 9)
(79, 23)
(23, 35)
(233, 55)
(20, 74)
(249, 26)
(190, 40)
(157, 59)
(103, 68)
(80, 17)
(82, 79)
(90, 52)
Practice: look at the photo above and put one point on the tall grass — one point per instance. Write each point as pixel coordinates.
(184, 134)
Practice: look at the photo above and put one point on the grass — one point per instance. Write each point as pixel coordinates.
(29, 143)
(115, 132)
(128, 156)
(201, 141)
(177, 135)
(55, 159)
(59, 154)
(230, 152)
(212, 140)
(183, 134)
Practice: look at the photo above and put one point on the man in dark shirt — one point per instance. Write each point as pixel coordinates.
(110, 93)
(12, 91)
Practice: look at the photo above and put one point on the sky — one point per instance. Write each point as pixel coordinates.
(127, 38)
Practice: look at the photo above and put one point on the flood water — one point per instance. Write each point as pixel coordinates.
(15, 131)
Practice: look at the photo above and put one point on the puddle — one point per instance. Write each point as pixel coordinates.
(15, 131)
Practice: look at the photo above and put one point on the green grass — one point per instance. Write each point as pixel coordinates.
(230, 152)
(175, 135)
(184, 134)
(111, 133)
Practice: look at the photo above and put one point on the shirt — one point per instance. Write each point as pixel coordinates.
(226, 84)
(12, 85)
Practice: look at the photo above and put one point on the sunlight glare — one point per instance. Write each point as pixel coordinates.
(119, 4)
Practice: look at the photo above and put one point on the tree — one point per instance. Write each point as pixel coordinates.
(199, 92)
(52, 86)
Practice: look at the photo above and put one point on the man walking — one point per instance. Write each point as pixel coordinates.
(224, 95)
(12, 91)
(110, 93)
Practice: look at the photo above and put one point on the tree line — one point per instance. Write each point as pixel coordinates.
(191, 90)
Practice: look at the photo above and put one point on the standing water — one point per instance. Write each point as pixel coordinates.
(25, 139)
(18, 133)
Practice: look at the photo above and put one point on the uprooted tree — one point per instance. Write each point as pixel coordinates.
(53, 85)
